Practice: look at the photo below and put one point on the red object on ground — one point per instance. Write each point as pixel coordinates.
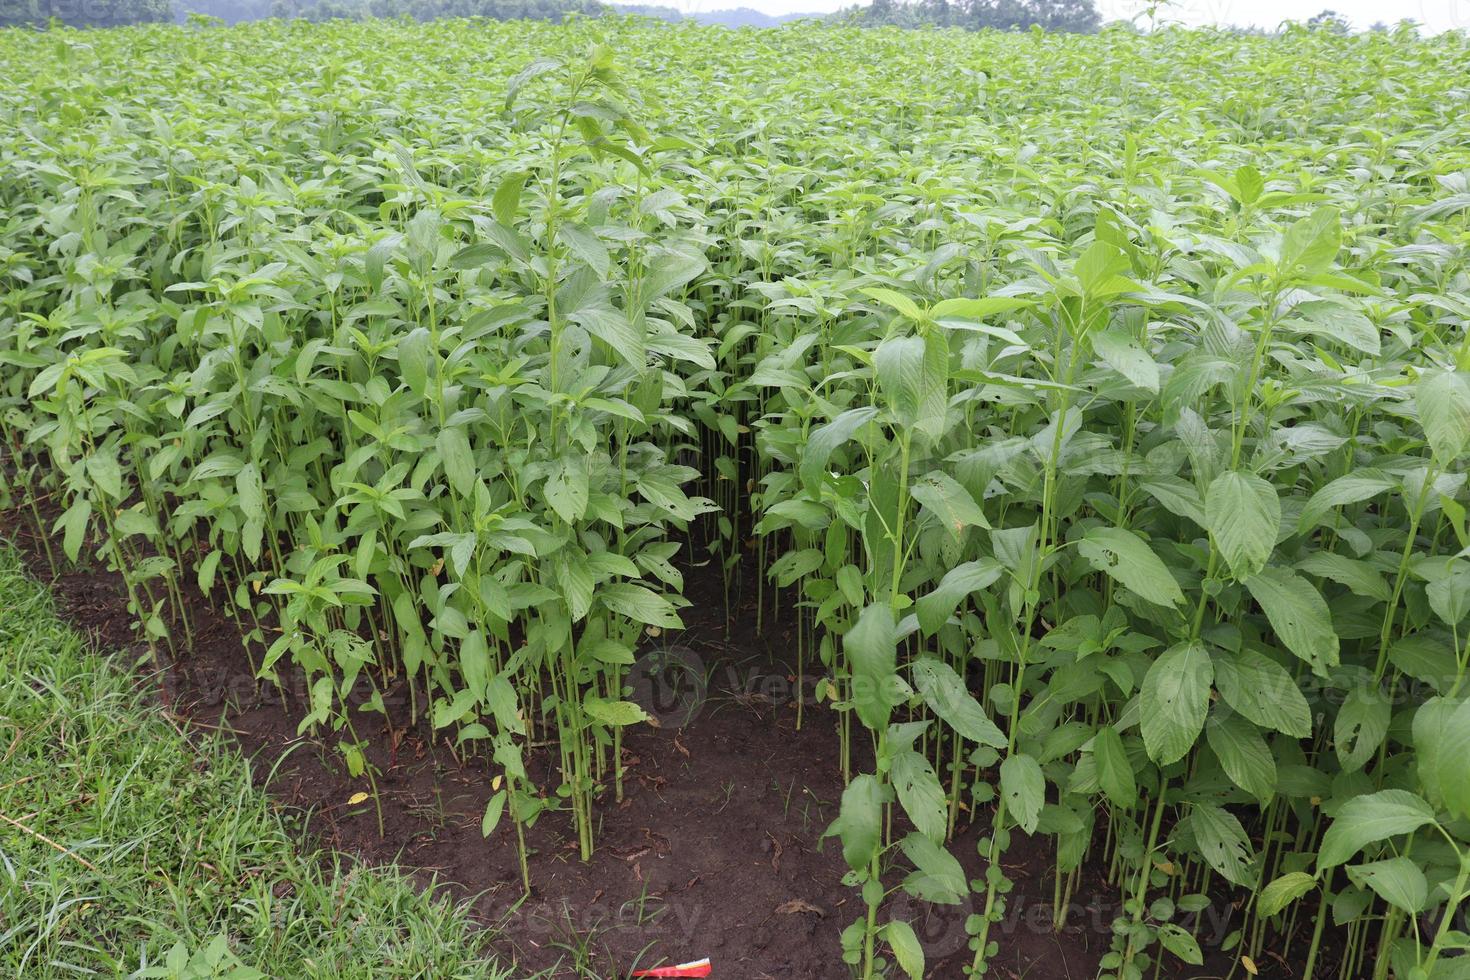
(698, 968)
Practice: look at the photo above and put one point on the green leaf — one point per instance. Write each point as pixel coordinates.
(1449, 594)
(1365, 484)
(906, 949)
(1426, 656)
(73, 525)
(1298, 615)
(977, 309)
(1283, 891)
(606, 651)
(585, 245)
(1441, 747)
(1121, 352)
(106, 473)
(1224, 844)
(458, 460)
(413, 360)
(937, 876)
(639, 604)
(1310, 245)
(474, 256)
(1179, 497)
(1348, 326)
(935, 608)
(250, 491)
(446, 712)
(967, 314)
(616, 713)
(507, 200)
(1398, 881)
(1114, 771)
(207, 569)
(613, 328)
(1263, 692)
(567, 489)
(895, 300)
(1361, 724)
(946, 695)
(1129, 560)
(1363, 820)
(1174, 700)
(47, 379)
(663, 489)
(474, 662)
(943, 496)
(859, 822)
(500, 698)
(825, 439)
(1100, 268)
(870, 646)
(1179, 942)
(913, 377)
(667, 271)
(1443, 401)
(1248, 184)
(1243, 515)
(1360, 577)
(1024, 788)
(493, 811)
(681, 347)
(1243, 754)
(919, 791)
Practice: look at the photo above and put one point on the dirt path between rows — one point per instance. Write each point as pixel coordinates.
(716, 849)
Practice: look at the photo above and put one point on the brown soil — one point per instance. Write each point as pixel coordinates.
(716, 849)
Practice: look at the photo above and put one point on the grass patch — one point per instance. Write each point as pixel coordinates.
(127, 849)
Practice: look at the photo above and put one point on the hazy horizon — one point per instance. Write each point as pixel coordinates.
(1434, 15)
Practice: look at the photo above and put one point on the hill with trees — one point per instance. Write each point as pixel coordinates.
(733, 17)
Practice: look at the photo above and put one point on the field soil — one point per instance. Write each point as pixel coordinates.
(715, 850)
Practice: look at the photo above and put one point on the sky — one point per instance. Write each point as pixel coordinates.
(1434, 15)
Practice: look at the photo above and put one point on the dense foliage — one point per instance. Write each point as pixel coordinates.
(1098, 407)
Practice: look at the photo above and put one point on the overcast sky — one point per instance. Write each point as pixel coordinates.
(1435, 15)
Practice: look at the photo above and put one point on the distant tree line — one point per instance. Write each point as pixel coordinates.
(669, 14)
(1078, 16)
(428, 9)
(1053, 15)
(113, 13)
(83, 13)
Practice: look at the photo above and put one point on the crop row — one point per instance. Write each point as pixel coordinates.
(1097, 406)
